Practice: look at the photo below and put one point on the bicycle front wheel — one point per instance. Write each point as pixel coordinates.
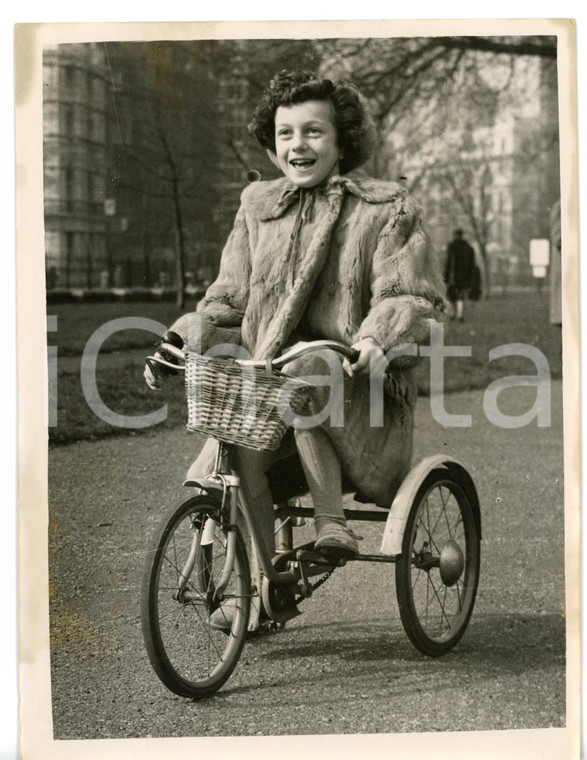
(186, 560)
(437, 572)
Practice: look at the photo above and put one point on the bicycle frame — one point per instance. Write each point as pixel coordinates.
(224, 483)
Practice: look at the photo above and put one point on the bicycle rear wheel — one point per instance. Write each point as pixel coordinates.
(437, 572)
(182, 568)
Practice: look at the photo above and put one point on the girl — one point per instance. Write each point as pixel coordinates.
(318, 255)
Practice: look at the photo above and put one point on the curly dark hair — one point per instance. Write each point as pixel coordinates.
(354, 126)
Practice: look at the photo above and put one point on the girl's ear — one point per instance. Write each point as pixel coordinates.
(273, 158)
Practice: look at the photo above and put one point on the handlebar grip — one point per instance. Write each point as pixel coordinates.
(353, 355)
(174, 338)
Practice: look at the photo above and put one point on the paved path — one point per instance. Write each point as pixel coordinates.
(345, 665)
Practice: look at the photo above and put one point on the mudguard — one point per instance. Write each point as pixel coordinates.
(395, 526)
(211, 486)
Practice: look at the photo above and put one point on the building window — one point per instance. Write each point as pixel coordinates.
(69, 255)
(69, 189)
(89, 189)
(68, 76)
(68, 121)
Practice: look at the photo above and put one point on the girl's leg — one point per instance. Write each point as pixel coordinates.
(322, 469)
(251, 467)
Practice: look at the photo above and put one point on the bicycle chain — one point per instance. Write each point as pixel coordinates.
(316, 585)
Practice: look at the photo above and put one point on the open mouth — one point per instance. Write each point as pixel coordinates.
(302, 163)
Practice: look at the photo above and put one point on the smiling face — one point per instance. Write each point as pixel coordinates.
(306, 142)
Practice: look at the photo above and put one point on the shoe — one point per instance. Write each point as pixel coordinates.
(223, 617)
(334, 540)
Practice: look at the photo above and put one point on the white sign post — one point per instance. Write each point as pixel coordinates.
(539, 257)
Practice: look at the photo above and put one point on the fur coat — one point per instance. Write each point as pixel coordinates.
(344, 262)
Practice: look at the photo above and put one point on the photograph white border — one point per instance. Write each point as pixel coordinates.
(37, 738)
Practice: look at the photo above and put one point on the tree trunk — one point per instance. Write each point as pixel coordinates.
(180, 251)
(486, 272)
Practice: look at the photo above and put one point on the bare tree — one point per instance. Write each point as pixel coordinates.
(169, 150)
(429, 96)
(400, 75)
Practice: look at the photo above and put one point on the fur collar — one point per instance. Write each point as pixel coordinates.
(271, 199)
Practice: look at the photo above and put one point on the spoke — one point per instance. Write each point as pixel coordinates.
(189, 584)
(174, 550)
(206, 630)
(418, 576)
(426, 529)
(176, 610)
(186, 649)
(427, 597)
(431, 530)
(439, 602)
(459, 521)
(444, 509)
(451, 530)
(438, 518)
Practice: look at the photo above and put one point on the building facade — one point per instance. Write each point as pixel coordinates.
(133, 175)
(498, 182)
(75, 139)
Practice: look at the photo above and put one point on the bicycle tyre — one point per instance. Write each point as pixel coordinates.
(189, 657)
(434, 611)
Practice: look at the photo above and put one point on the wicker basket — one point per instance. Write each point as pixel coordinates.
(247, 406)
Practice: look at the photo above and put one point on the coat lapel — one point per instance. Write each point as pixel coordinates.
(292, 307)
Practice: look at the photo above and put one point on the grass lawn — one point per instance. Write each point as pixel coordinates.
(77, 322)
(520, 318)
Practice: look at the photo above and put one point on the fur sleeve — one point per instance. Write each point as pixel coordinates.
(222, 309)
(407, 289)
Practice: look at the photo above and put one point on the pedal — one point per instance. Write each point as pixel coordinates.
(317, 558)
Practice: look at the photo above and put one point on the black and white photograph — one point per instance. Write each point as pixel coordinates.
(298, 377)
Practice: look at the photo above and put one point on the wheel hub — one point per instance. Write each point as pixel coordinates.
(451, 563)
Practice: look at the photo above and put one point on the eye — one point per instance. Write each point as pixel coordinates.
(283, 132)
(314, 131)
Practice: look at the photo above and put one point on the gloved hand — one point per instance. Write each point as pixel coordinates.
(152, 380)
(369, 350)
(153, 374)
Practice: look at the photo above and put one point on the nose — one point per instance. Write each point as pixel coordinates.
(299, 141)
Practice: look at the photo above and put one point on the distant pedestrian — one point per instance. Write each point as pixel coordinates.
(555, 265)
(458, 273)
(476, 289)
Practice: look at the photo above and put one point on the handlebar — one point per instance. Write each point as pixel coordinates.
(172, 357)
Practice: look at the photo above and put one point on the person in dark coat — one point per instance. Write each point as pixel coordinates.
(459, 273)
